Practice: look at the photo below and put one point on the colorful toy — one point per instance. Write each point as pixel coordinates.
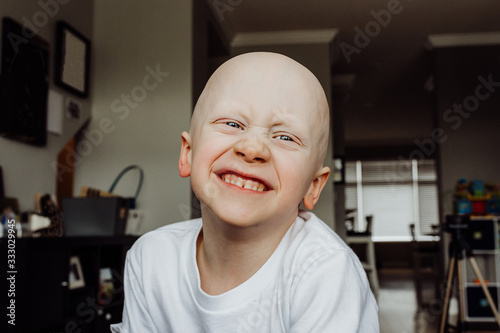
(493, 204)
(463, 204)
(477, 198)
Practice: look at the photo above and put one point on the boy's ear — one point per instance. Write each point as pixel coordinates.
(185, 158)
(316, 187)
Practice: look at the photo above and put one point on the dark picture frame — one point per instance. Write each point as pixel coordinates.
(24, 84)
(338, 170)
(72, 63)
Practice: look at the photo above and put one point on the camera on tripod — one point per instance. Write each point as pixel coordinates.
(476, 301)
(479, 233)
(456, 222)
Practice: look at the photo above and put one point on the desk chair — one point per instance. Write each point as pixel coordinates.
(425, 266)
(370, 264)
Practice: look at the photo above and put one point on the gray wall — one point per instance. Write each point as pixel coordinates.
(470, 139)
(27, 169)
(132, 39)
(468, 142)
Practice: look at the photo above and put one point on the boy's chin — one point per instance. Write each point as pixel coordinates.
(256, 218)
(240, 218)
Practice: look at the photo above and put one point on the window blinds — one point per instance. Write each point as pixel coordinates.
(396, 193)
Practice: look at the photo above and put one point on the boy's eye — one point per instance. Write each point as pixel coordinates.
(285, 137)
(233, 124)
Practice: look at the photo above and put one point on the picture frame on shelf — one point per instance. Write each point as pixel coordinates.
(338, 170)
(76, 279)
(72, 65)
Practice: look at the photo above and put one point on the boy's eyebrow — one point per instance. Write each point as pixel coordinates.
(223, 114)
(283, 118)
(225, 106)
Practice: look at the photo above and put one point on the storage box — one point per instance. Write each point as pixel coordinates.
(477, 304)
(103, 216)
(481, 234)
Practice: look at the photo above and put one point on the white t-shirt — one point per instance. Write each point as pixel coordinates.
(313, 282)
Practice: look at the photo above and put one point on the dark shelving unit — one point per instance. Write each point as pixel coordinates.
(43, 297)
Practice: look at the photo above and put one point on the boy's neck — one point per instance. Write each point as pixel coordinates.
(227, 255)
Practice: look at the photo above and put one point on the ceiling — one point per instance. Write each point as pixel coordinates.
(392, 67)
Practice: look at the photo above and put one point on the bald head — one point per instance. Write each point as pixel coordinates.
(272, 83)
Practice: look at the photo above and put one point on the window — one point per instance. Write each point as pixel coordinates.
(397, 193)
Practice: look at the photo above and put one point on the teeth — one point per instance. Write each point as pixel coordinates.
(239, 182)
(244, 183)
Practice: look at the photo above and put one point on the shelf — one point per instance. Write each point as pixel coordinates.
(477, 306)
(483, 237)
(45, 303)
(485, 252)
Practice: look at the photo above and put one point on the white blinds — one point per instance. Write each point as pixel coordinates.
(396, 194)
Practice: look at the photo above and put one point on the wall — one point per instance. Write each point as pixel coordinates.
(317, 58)
(28, 169)
(470, 137)
(466, 112)
(144, 113)
(388, 125)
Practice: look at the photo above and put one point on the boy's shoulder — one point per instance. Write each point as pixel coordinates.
(310, 231)
(313, 242)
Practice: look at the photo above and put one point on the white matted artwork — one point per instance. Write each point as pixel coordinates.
(73, 71)
(72, 60)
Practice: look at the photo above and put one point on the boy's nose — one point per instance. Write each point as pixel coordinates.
(252, 150)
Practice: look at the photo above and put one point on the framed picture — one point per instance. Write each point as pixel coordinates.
(339, 170)
(76, 279)
(72, 68)
(24, 84)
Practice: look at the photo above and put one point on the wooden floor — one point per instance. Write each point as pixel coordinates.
(398, 308)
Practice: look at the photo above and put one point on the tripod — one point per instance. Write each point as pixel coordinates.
(458, 246)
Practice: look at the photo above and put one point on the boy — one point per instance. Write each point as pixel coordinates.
(253, 262)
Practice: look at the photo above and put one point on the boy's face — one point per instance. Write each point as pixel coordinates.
(257, 141)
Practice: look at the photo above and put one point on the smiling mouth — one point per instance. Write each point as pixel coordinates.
(242, 182)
